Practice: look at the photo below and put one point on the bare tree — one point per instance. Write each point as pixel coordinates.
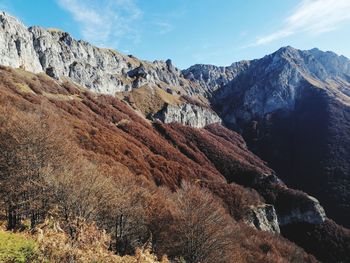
(79, 193)
(29, 143)
(128, 215)
(202, 230)
(116, 202)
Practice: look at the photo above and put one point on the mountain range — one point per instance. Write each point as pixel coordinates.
(292, 107)
(270, 137)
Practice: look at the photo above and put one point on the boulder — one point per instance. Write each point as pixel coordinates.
(263, 217)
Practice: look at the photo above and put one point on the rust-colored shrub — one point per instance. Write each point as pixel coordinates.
(108, 135)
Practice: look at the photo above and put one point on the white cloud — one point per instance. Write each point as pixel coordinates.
(104, 22)
(312, 17)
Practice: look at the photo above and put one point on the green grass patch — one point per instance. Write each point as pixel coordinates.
(17, 248)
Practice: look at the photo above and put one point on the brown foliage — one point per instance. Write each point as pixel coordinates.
(30, 143)
(202, 230)
(108, 130)
(236, 198)
(90, 245)
(109, 176)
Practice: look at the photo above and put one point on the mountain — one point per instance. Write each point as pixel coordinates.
(115, 137)
(292, 107)
(213, 127)
(106, 71)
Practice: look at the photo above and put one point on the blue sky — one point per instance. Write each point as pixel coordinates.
(195, 31)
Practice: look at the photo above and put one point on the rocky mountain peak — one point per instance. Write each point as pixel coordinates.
(292, 107)
(274, 82)
(316, 63)
(287, 50)
(101, 70)
(212, 78)
(10, 21)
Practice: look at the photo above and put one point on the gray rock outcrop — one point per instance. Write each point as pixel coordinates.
(105, 71)
(16, 45)
(313, 213)
(188, 114)
(101, 70)
(263, 218)
(212, 78)
(251, 89)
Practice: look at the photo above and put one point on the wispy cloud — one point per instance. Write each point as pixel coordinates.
(104, 22)
(164, 27)
(311, 17)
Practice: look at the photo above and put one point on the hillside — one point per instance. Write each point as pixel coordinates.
(114, 155)
(110, 133)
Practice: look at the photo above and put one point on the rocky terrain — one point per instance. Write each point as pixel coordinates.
(292, 108)
(212, 126)
(104, 71)
(59, 55)
(111, 133)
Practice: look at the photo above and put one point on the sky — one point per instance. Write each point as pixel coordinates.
(189, 32)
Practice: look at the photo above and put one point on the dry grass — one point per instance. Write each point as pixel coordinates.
(61, 97)
(168, 98)
(50, 244)
(24, 88)
(149, 100)
(54, 30)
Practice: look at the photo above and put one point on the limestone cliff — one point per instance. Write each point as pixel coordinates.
(188, 114)
(263, 218)
(101, 70)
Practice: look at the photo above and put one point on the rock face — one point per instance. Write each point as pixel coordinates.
(105, 71)
(311, 214)
(263, 218)
(250, 90)
(101, 70)
(16, 45)
(292, 108)
(189, 114)
(211, 77)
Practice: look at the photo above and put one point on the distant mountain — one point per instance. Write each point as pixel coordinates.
(293, 109)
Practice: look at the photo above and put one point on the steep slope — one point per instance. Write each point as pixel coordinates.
(110, 132)
(292, 107)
